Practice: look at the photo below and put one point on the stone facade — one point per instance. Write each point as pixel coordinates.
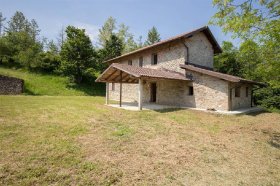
(243, 101)
(171, 56)
(10, 85)
(208, 92)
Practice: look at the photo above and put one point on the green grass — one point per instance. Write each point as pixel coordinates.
(52, 85)
(77, 140)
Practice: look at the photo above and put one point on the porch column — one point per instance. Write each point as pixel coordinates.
(107, 93)
(121, 90)
(140, 94)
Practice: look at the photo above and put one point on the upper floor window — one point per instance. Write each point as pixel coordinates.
(247, 91)
(190, 90)
(154, 59)
(140, 61)
(237, 92)
(129, 62)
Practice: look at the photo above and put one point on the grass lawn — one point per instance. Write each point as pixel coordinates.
(77, 140)
(52, 85)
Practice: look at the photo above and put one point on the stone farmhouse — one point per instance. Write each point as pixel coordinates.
(176, 72)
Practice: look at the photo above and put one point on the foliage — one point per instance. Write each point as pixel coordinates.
(77, 54)
(106, 31)
(268, 97)
(20, 44)
(153, 36)
(122, 32)
(113, 48)
(226, 62)
(257, 24)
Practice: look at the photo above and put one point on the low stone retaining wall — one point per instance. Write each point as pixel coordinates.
(10, 85)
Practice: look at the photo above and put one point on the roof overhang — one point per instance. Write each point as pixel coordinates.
(117, 73)
(219, 75)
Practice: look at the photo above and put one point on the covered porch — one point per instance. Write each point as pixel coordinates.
(123, 74)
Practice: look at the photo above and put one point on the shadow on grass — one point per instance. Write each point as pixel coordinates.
(27, 91)
(169, 110)
(258, 113)
(93, 89)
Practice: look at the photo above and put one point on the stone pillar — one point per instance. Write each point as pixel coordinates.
(121, 90)
(107, 93)
(140, 94)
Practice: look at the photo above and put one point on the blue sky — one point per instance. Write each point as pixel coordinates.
(171, 17)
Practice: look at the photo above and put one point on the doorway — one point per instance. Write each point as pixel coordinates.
(153, 94)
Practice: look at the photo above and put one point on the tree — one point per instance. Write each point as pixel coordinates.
(113, 48)
(18, 23)
(256, 21)
(77, 54)
(61, 38)
(153, 36)
(50, 59)
(126, 38)
(106, 31)
(226, 62)
(21, 37)
(2, 19)
(249, 57)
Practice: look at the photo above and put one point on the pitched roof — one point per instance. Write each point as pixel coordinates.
(205, 30)
(138, 72)
(220, 75)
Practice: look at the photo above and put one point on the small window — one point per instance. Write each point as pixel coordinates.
(113, 86)
(154, 59)
(190, 91)
(237, 92)
(129, 62)
(247, 91)
(140, 61)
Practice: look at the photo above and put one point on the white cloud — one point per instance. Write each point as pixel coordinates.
(91, 30)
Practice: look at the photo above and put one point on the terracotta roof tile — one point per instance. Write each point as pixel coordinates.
(220, 75)
(143, 72)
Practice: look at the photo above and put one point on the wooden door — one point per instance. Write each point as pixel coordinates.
(153, 92)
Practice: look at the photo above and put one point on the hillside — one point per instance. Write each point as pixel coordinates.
(52, 85)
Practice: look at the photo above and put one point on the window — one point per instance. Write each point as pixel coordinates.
(140, 61)
(190, 91)
(129, 62)
(237, 92)
(247, 91)
(154, 59)
(113, 86)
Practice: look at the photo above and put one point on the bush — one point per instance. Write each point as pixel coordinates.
(268, 97)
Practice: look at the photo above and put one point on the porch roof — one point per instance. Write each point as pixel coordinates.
(131, 74)
(227, 77)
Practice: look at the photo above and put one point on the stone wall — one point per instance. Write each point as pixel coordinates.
(10, 85)
(171, 56)
(209, 92)
(201, 51)
(243, 101)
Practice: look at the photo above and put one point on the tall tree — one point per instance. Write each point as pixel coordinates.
(227, 62)
(153, 36)
(61, 38)
(113, 48)
(106, 31)
(18, 23)
(2, 19)
(77, 54)
(256, 20)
